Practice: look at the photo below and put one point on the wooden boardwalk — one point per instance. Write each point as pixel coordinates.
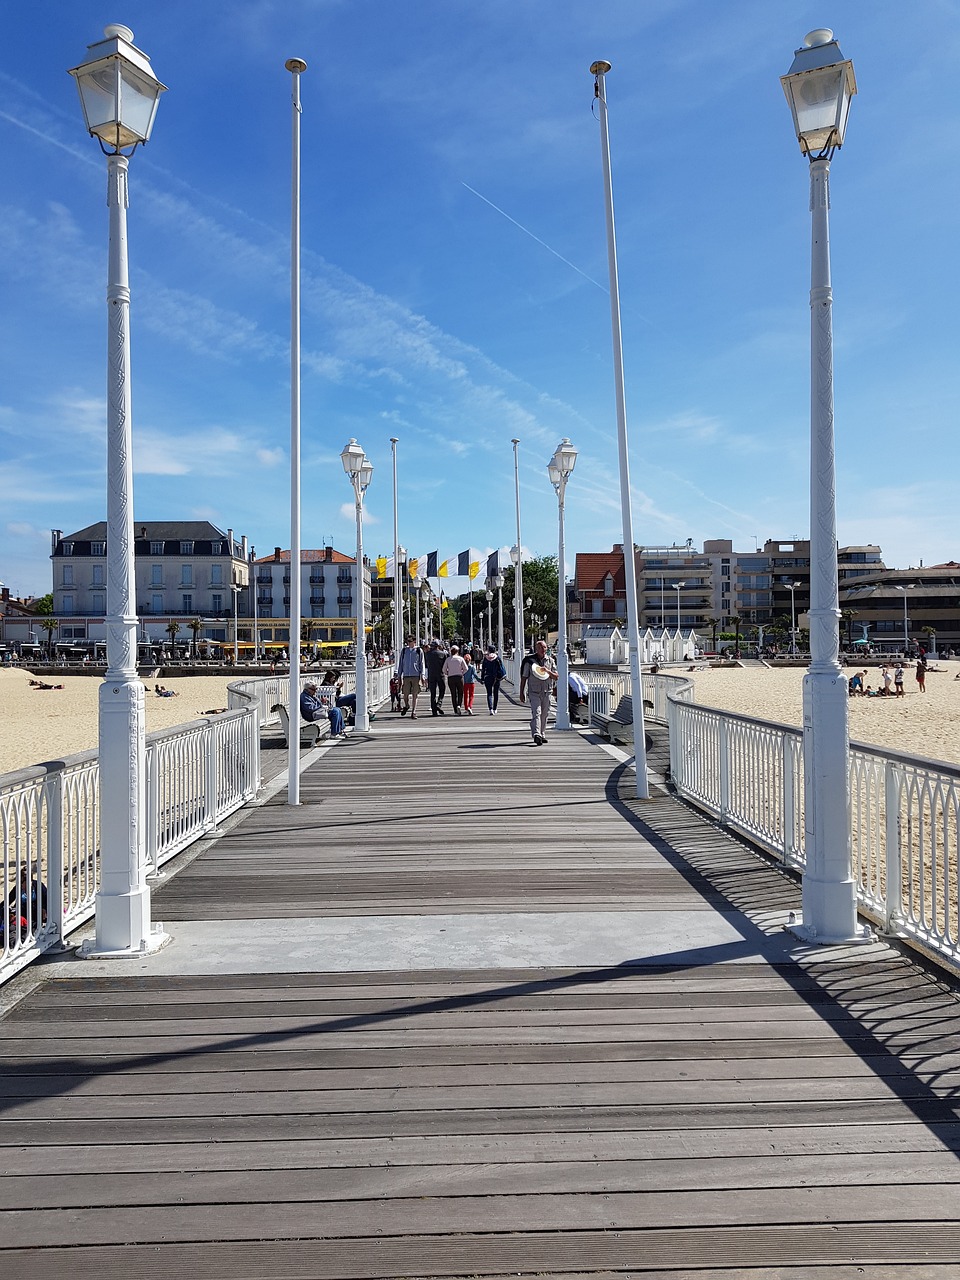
(421, 1083)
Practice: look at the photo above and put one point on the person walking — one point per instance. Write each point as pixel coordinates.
(538, 676)
(435, 659)
(492, 672)
(410, 674)
(469, 685)
(922, 676)
(898, 680)
(454, 669)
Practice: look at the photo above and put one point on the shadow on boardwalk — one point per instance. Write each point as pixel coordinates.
(471, 1009)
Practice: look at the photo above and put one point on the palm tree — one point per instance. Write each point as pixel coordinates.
(171, 629)
(712, 623)
(49, 625)
(196, 626)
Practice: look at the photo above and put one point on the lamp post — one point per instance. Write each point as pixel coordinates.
(559, 469)
(516, 555)
(235, 588)
(296, 67)
(498, 584)
(529, 602)
(792, 588)
(819, 87)
(359, 472)
(599, 71)
(906, 634)
(489, 605)
(256, 605)
(678, 586)
(426, 595)
(119, 94)
(397, 604)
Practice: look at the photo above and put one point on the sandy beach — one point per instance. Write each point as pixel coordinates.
(38, 725)
(48, 725)
(923, 724)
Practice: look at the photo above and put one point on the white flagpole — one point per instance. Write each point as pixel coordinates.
(296, 66)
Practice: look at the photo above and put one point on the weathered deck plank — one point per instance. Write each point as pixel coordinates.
(737, 1121)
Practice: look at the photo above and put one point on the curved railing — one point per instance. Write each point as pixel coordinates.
(904, 813)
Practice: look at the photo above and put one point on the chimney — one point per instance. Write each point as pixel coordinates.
(276, 554)
(55, 536)
(230, 547)
(328, 554)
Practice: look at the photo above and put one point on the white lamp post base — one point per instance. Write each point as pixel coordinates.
(119, 918)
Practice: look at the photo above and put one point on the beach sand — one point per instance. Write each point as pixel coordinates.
(36, 726)
(40, 725)
(922, 724)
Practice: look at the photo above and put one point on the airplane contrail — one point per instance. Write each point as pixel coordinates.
(526, 232)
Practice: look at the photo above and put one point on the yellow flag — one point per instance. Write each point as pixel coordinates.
(474, 569)
(381, 566)
(412, 567)
(442, 571)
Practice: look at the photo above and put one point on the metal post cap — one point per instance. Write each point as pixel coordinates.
(295, 64)
(599, 68)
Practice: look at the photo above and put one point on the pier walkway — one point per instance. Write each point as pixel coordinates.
(472, 1010)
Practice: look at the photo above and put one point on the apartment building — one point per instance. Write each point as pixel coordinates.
(681, 587)
(328, 587)
(183, 569)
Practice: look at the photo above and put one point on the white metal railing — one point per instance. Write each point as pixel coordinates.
(904, 813)
(195, 776)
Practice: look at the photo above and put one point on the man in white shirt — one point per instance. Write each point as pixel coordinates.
(453, 669)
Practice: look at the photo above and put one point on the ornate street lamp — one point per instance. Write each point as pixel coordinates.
(516, 556)
(119, 94)
(359, 472)
(559, 469)
(819, 86)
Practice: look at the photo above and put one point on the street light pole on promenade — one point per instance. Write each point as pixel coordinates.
(119, 94)
(599, 70)
(296, 67)
(397, 600)
(559, 469)
(359, 472)
(679, 585)
(819, 87)
(792, 588)
(516, 555)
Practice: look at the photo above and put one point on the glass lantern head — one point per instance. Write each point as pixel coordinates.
(565, 456)
(819, 87)
(118, 91)
(352, 458)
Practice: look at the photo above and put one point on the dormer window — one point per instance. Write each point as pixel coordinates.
(67, 548)
(98, 548)
(608, 585)
(186, 548)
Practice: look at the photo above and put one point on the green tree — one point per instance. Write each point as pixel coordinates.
(171, 629)
(196, 626)
(49, 625)
(540, 586)
(44, 604)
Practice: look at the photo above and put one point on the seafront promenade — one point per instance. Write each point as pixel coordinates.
(470, 1009)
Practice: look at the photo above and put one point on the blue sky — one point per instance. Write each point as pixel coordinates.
(455, 275)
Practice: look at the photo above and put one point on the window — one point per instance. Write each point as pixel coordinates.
(608, 585)
(216, 549)
(345, 611)
(156, 548)
(69, 604)
(186, 548)
(98, 548)
(186, 575)
(97, 575)
(97, 603)
(217, 603)
(156, 575)
(216, 575)
(187, 604)
(67, 548)
(156, 604)
(68, 575)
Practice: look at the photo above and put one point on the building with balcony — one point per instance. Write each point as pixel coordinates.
(328, 587)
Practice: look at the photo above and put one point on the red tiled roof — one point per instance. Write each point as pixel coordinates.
(307, 557)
